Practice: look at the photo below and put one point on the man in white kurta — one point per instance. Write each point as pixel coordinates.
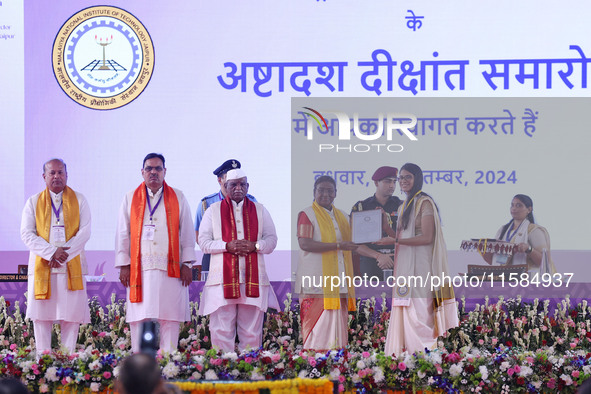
(243, 312)
(67, 307)
(161, 295)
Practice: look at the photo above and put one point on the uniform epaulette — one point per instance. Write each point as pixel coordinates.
(210, 196)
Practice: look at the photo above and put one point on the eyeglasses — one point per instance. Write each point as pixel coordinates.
(405, 178)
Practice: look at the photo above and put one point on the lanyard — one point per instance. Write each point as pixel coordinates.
(57, 211)
(150, 209)
(510, 235)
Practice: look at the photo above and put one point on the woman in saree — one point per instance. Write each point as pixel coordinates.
(324, 237)
(531, 239)
(420, 313)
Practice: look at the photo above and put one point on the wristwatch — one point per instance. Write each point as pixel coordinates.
(257, 247)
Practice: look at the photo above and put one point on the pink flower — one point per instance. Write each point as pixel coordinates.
(87, 377)
(64, 381)
(275, 357)
(510, 371)
(402, 366)
(573, 345)
(199, 367)
(107, 375)
(36, 372)
(218, 361)
(191, 331)
(494, 341)
(341, 388)
(341, 379)
(575, 374)
(530, 360)
(551, 383)
(365, 354)
(121, 346)
(312, 362)
(439, 369)
(248, 360)
(517, 369)
(481, 341)
(13, 346)
(206, 339)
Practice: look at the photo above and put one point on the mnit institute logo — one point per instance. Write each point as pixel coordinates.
(103, 57)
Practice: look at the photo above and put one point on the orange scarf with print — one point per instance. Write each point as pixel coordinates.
(136, 222)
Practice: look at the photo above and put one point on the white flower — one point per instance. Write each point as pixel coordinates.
(355, 378)
(199, 359)
(196, 375)
(232, 356)
(455, 369)
(94, 386)
(505, 365)
(51, 374)
(378, 374)
(256, 375)
(235, 372)
(567, 379)
(434, 357)
(95, 365)
(483, 372)
(334, 374)
(409, 361)
(303, 374)
(537, 384)
(211, 375)
(170, 370)
(176, 356)
(360, 364)
(116, 371)
(525, 371)
(421, 374)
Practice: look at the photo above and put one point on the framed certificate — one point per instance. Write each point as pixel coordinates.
(366, 226)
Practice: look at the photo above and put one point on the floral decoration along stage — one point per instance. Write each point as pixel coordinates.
(507, 346)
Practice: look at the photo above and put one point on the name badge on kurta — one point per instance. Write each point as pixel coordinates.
(59, 233)
(148, 232)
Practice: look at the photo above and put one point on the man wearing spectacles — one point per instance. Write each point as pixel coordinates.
(374, 259)
(155, 249)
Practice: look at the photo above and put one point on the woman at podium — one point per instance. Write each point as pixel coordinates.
(531, 239)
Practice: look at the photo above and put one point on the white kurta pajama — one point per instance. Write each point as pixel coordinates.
(244, 314)
(69, 308)
(164, 298)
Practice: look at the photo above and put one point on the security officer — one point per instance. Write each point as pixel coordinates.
(385, 182)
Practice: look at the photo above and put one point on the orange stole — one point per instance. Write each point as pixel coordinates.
(136, 224)
(43, 224)
(231, 274)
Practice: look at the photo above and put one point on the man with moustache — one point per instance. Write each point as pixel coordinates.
(237, 232)
(373, 258)
(55, 227)
(207, 201)
(155, 250)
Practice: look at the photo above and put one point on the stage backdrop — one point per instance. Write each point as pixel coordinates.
(202, 82)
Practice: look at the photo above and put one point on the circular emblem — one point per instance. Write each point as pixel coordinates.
(103, 57)
(402, 291)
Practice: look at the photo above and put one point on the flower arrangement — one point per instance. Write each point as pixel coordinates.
(503, 346)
